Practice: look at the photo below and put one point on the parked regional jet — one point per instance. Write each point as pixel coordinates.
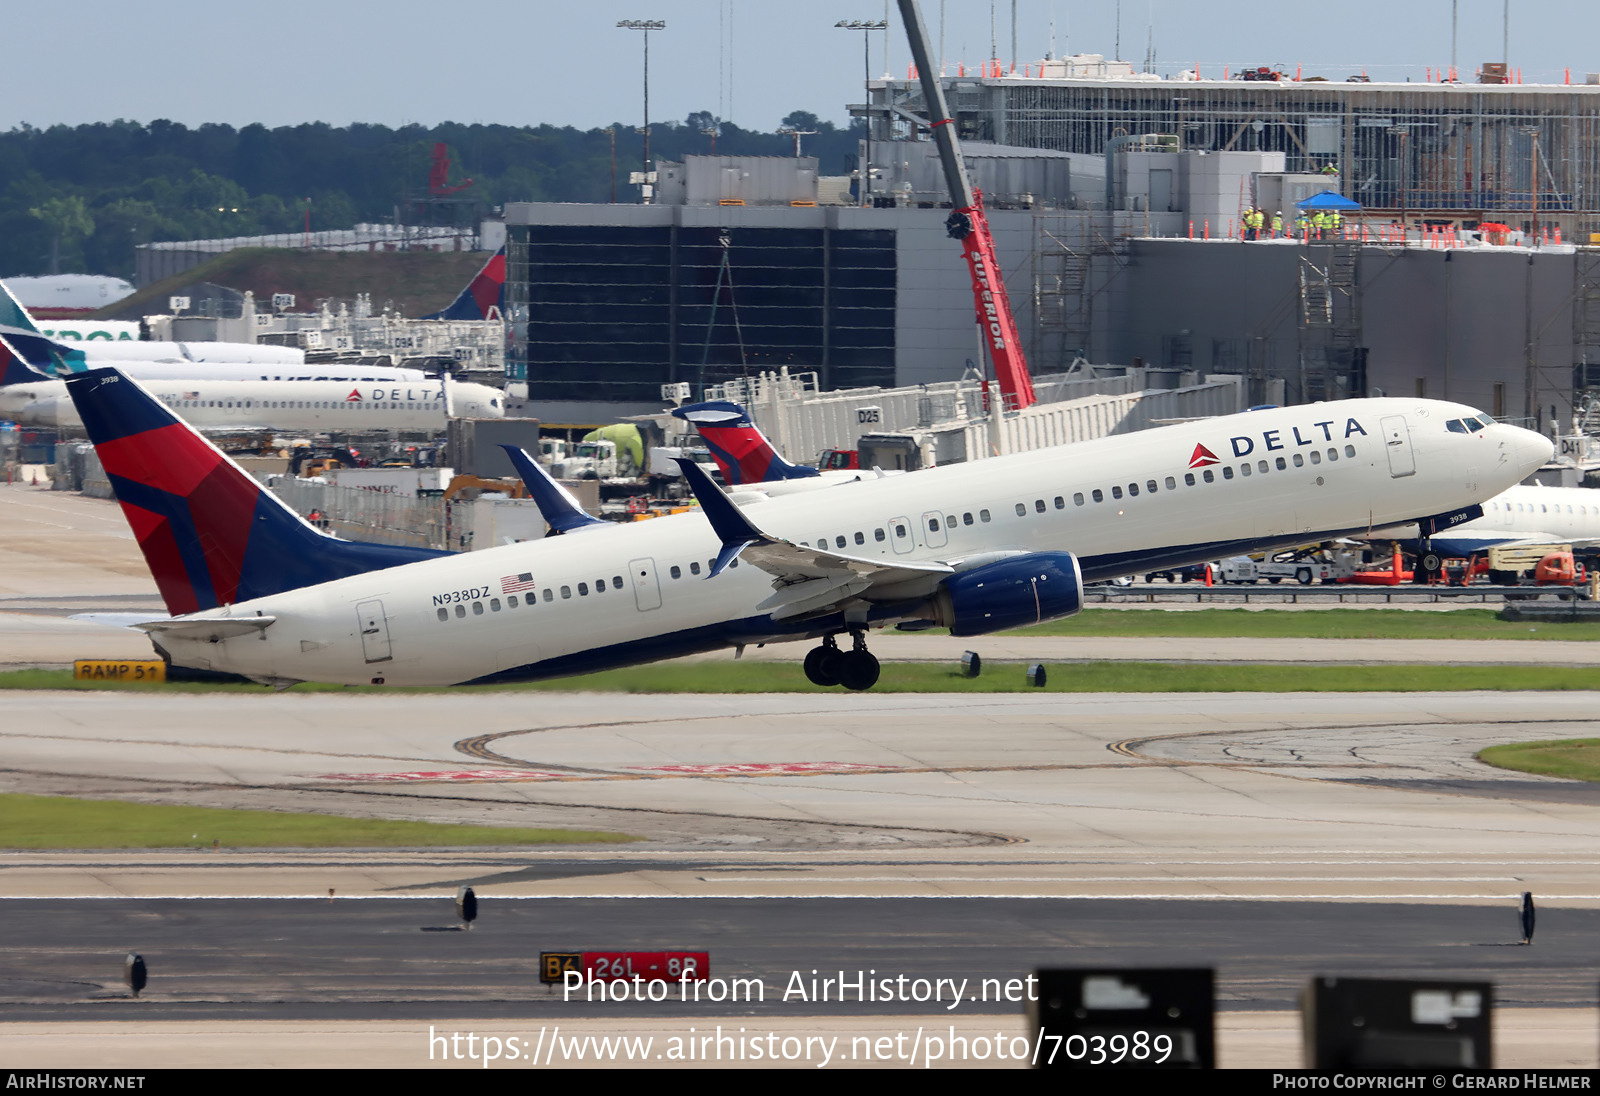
(1523, 515)
(287, 406)
(751, 467)
(976, 547)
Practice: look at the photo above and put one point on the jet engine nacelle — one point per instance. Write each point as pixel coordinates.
(1012, 593)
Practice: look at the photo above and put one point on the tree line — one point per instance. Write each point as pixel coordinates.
(80, 198)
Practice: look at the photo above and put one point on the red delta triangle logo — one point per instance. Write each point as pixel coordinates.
(1202, 457)
(355, 397)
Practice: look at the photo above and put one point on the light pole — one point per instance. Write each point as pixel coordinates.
(866, 27)
(646, 25)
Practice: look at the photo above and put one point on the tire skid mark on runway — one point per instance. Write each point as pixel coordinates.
(81, 740)
(1130, 747)
(387, 792)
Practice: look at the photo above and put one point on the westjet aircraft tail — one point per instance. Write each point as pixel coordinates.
(741, 451)
(211, 534)
(484, 297)
(14, 369)
(12, 314)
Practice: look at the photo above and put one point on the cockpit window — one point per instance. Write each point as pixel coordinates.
(1457, 426)
(1473, 425)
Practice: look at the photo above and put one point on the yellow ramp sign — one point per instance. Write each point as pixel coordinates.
(119, 669)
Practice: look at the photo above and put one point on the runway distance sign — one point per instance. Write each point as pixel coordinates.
(119, 669)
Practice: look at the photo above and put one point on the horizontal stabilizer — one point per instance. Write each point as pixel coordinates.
(209, 630)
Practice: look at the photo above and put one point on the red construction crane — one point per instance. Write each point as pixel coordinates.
(968, 224)
(439, 174)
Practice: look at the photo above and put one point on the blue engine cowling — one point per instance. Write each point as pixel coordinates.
(1010, 594)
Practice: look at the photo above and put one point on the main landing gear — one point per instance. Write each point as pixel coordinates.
(855, 669)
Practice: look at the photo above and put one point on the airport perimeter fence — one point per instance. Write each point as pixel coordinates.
(379, 518)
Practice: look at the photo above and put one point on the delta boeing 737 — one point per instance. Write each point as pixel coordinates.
(977, 547)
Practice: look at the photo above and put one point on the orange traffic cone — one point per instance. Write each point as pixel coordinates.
(1208, 574)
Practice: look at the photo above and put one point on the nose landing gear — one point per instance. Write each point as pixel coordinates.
(855, 669)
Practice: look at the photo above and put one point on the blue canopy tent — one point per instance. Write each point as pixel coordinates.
(1327, 200)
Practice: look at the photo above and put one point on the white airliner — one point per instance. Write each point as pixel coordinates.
(1523, 515)
(14, 315)
(282, 406)
(975, 547)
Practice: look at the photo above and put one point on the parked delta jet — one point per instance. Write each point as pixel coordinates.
(287, 406)
(1522, 515)
(751, 467)
(977, 547)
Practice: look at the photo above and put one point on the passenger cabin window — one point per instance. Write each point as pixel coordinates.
(583, 589)
(933, 525)
(1188, 479)
(949, 521)
(1061, 503)
(1172, 484)
(1021, 509)
(1349, 450)
(1038, 506)
(444, 614)
(966, 519)
(1098, 495)
(676, 572)
(477, 608)
(566, 592)
(694, 568)
(494, 605)
(880, 536)
(1077, 498)
(1227, 471)
(511, 601)
(1150, 485)
(1210, 477)
(900, 530)
(983, 515)
(1333, 454)
(1316, 457)
(1133, 490)
(1244, 469)
(838, 542)
(1262, 466)
(1282, 464)
(461, 610)
(861, 538)
(549, 594)
(1116, 492)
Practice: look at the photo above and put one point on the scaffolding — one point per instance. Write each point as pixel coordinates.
(1455, 150)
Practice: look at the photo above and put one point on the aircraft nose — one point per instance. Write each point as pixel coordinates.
(1528, 450)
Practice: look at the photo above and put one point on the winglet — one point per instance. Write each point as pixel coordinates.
(560, 510)
(727, 521)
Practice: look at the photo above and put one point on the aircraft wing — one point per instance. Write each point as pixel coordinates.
(805, 580)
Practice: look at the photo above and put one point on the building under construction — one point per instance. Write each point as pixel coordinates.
(1452, 151)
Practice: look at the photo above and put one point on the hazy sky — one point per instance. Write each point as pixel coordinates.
(749, 61)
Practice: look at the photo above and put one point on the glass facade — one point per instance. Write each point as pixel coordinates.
(612, 312)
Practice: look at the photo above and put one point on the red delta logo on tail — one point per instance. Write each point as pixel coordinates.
(354, 396)
(741, 451)
(1202, 457)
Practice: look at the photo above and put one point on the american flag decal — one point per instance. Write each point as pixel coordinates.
(515, 584)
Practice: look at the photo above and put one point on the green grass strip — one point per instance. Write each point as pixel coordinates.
(1573, 758)
(58, 822)
(998, 677)
(1312, 624)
